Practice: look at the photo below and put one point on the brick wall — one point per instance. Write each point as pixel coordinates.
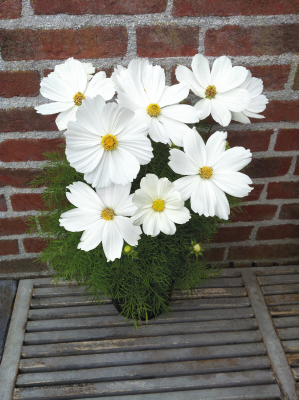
(261, 35)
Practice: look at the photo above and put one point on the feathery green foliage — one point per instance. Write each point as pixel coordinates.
(141, 282)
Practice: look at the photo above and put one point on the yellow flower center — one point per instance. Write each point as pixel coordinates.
(78, 98)
(107, 214)
(210, 92)
(109, 142)
(206, 172)
(158, 205)
(153, 110)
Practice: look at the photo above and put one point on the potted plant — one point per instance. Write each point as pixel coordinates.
(142, 181)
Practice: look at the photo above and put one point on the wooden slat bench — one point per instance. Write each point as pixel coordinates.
(221, 344)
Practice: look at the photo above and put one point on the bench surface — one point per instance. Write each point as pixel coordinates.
(237, 338)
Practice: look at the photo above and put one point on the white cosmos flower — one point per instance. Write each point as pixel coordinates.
(257, 103)
(142, 89)
(102, 215)
(107, 143)
(160, 206)
(219, 88)
(137, 69)
(210, 171)
(68, 86)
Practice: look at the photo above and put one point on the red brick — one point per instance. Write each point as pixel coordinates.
(13, 226)
(167, 41)
(21, 266)
(279, 111)
(10, 9)
(289, 211)
(289, 231)
(255, 212)
(26, 119)
(21, 83)
(274, 76)
(28, 149)
(268, 167)
(224, 8)
(34, 245)
(254, 253)
(19, 178)
(233, 234)
(255, 193)
(79, 7)
(253, 140)
(296, 80)
(252, 41)
(27, 202)
(58, 44)
(3, 206)
(283, 190)
(214, 254)
(8, 247)
(296, 172)
(287, 139)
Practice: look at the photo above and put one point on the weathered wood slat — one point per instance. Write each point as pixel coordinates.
(145, 371)
(72, 312)
(278, 279)
(59, 291)
(283, 299)
(243, 341)
(296, 373)
(288, 333)
(143, 331)
(206, 293)
(105, 360)
(261, 392)
(147, 386)
(284, 311)
(118, 320)
(286, 322)
(293, 359)
(291, 346)
(280, 289)
(64, 301)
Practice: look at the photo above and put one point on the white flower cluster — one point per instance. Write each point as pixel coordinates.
(108, 142)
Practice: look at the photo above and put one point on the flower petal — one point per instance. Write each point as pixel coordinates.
(232, 182)
(220, 112)
(166, 225)
(221, 67)
(151, 223)
(114, 195)
(175, 130)
(232, 159)
(181, 164)
(240, 117)
(181, 112)
(149, 184)
(184, 75)
(174, 94)
(74, 73)
(154, 83)
(65, 117)
(195, 148)
(53, 108)
(129, 232)
(82, 196)
(90, 113)
(112, 241)
(180, 216)
(77, 220)
(222, 205)
(187, 185)
(100, 85)
(201, 69)
(157, 131)
(203, 108)
(203, 200)
(92, 237)
(215, 146)
(233, 78)
(235, 99)
(123, 166)
(53, 88)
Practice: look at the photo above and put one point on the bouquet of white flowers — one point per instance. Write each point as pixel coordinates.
(141, 176)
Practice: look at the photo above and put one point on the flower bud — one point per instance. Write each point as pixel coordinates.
(127, 249)
(197, 248)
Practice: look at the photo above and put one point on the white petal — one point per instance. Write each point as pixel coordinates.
(74, 73)
(138, 68)
(129, 232)
(154, 82)
(92, 237)
(232, 159)
(203, 200)
(258, 104)
(184, 75)
(114, 195)
(174, 94)
(139, 146)
(132, 89)
(137, 125)
(240, 117)
(222, 205)
(221, 67)
(235, 99)
(233, 183)
(173, 200)
(215, 146)
(101, 85)
(157, 131)
(181, 164)
(180, 216)
(255, 87)
(140, 215)
(164, 188)
(195, 148)
(77, 220)
(65, 117)
(99, 176)
(201, 70)
(253, 115)
(112, 241)
(53, 108)
(187, 185)
(90, 115)
(166, 225)
(142, 200)
(149, 184)
(53, 88)
(232, 79)
(220, 112)
(175, 130)
(203, 107)
(151, 223)
(123, 166)
(82, 196)
(181, 112)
